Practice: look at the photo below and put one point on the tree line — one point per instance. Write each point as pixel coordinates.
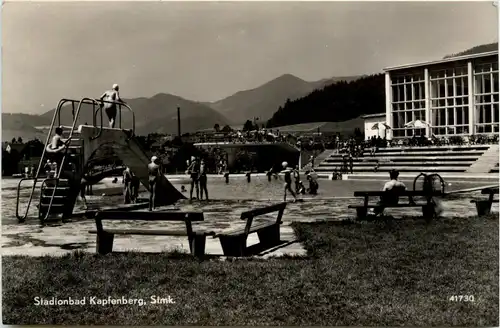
(475, 50)
(337, 102)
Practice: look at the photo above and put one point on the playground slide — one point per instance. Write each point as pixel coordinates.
(132, 155)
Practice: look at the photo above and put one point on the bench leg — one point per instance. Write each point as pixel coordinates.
(197, 245)
(233, 246)
(428, 212)
(483, 207)
(105, 243)
(361, 213)
(269, 236)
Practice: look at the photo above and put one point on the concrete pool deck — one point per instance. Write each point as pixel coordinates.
(61, 238)
(221, 213)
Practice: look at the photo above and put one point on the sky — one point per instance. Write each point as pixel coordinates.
(206, 51)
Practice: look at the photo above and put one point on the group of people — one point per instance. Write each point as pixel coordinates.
(197, 171)
(131, 184)
(290, 174)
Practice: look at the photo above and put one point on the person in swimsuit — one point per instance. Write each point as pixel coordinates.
(313, 185)
(83, 187)
(154, 174)
(296, 177)
(203, 180)
(111, 108)
(127, 179)
(134, 187)
(193, 171)
(288, 180)
(57, 146)
(47, 168)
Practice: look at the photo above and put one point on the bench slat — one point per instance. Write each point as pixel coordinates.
(241, 231)
(153, 232)
(402, 193)
(151, 216)
(263, 210)
(489, 191)
(387, 206)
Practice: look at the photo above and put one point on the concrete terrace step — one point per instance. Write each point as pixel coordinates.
(406, 159)
(486, 162)
(435, 148)
(410, 175)
(416, 163)
(412, 153)
(387, 168)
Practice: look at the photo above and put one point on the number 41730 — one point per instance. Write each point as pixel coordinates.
(462, 298)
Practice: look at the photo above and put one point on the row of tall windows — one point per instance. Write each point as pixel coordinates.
(408, 104)
(449, 101)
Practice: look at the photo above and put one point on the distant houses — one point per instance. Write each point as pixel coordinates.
(16, 155)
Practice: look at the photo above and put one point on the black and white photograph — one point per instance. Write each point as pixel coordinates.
(256, 163)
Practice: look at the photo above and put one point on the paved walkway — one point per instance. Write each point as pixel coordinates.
(32, 240)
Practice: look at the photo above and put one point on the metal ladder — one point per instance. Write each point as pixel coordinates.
(53, 184)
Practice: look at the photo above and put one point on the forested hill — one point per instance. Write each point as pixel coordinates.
(476, 50)
(335, 103)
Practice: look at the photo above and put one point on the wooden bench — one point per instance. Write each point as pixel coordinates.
(234, 242)
(105, 236)
(483, 206)
(427, 207)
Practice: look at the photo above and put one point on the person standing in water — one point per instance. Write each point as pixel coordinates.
(203, 180)
(287, 171)
(154, 175)
(111, 108)
(194, 171)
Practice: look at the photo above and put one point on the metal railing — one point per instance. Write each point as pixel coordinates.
(119, 104)
(57, 114)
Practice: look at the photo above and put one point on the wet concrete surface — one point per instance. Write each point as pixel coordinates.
(221, 213)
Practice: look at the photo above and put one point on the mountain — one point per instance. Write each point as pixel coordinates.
(476, 50)
(264, 100)
(156, 114)
(337, 102)
(22, 125)
(159, 113)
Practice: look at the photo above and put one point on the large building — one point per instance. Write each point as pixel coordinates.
(453, 97)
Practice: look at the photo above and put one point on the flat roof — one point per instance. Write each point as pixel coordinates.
(441, 61)
(373, 115)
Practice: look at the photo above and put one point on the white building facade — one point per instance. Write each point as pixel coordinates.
(370, 121)
(456, 97)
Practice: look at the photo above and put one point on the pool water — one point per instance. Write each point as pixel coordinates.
(238, 189)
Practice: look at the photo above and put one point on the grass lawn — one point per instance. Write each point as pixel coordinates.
(374, 273)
